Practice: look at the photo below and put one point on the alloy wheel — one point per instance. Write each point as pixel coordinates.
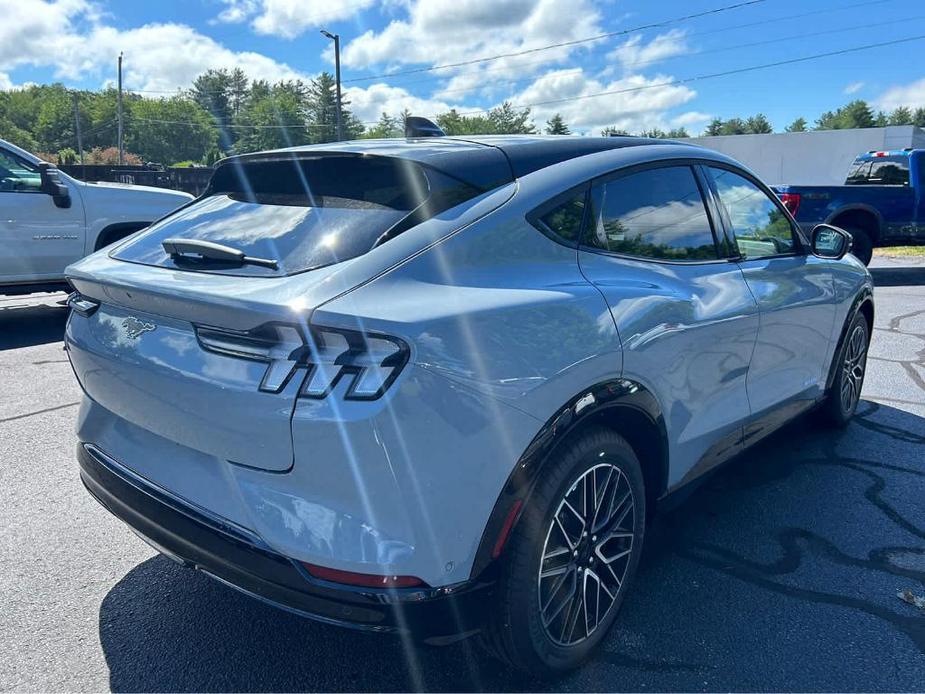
(586, 554)
(853, 368)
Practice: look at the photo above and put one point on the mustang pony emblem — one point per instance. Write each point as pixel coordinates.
(135, 328)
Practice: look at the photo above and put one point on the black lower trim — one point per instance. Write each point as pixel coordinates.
(236, 557)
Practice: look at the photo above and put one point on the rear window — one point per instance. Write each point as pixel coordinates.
(882, 171)
(303, 213)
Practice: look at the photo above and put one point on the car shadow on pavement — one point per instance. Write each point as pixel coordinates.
(898, 276)
(779, 573)
(25, 325)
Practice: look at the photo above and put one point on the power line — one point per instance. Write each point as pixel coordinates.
(722, 49)
(575, 42)
(800, 15)
(628, 90)
(698, 78)
(636, 64)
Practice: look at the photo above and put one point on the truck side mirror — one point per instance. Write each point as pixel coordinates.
(830, 241)
(52, 185)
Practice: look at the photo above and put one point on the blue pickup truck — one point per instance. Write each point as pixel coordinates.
(881, 204)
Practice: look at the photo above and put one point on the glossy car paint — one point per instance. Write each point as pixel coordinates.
(505, 326)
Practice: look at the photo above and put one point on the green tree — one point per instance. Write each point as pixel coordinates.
(714, 128)
(321, 111)
(614, 131)
(918, 117)
(170, 130)
(856, 114)
(273, 117)
(212, 90)
(901, 116)
(507, 120)
(758, 124)
(387, 126)
(557, 126)
(798, 126)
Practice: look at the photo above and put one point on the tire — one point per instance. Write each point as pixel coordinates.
(850, 367)
(862, 246)
(558, 638)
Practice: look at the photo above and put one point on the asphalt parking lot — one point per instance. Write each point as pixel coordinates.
(780, 573)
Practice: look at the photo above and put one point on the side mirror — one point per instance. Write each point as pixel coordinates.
(52, 185)
(830, 241)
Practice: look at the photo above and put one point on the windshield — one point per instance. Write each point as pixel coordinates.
(304, 213)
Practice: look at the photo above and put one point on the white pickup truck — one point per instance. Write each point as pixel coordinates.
(48, 219)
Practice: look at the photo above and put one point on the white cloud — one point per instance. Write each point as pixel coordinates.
(170, 56)
(634, 53)
(237, 11)
(33, 31)
(289, 18)
(434, 32)
(69, 37)
(911, 95)
(368, 103)
(853, 88)
(641, 103)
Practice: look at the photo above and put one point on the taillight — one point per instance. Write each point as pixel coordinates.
(352, 578)
(791, 202)
(371, 363)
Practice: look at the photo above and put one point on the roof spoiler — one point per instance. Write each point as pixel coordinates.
(417, 126)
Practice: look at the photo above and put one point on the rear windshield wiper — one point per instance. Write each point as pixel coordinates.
(192, 249)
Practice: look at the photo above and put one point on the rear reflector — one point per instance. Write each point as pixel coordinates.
(791, 202)
(352, 578)
(506, 529)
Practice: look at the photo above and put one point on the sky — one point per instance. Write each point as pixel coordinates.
(654, 68)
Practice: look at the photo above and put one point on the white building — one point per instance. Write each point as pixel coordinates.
(816, 157)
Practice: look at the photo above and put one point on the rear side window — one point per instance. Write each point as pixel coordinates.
(304, 212)
(656, 213)
(881, 171)
(564, 218)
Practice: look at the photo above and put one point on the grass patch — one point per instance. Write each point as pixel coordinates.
(900, 250)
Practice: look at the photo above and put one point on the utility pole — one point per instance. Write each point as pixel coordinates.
(340, 118)
(80, 143)
(119, 103)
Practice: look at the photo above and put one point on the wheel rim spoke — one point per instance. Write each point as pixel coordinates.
(588, 549)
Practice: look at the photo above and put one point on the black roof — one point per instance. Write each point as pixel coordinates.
(486, 161)
(529, 153)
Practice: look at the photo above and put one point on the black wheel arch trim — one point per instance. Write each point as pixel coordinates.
(618, 393)
(107, 231)
(865, 296)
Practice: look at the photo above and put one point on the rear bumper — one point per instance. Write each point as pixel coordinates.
(238, 558)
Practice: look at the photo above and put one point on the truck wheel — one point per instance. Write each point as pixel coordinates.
(861, 246)
(571, 558)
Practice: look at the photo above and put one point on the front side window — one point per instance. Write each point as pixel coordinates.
(760, 226)
(656, 213)
(18, 176)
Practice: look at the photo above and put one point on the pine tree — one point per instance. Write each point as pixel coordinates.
(798, 126)
(901, 116)
(557, 126)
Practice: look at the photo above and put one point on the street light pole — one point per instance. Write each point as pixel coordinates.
(340, 118)
(119, 107)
